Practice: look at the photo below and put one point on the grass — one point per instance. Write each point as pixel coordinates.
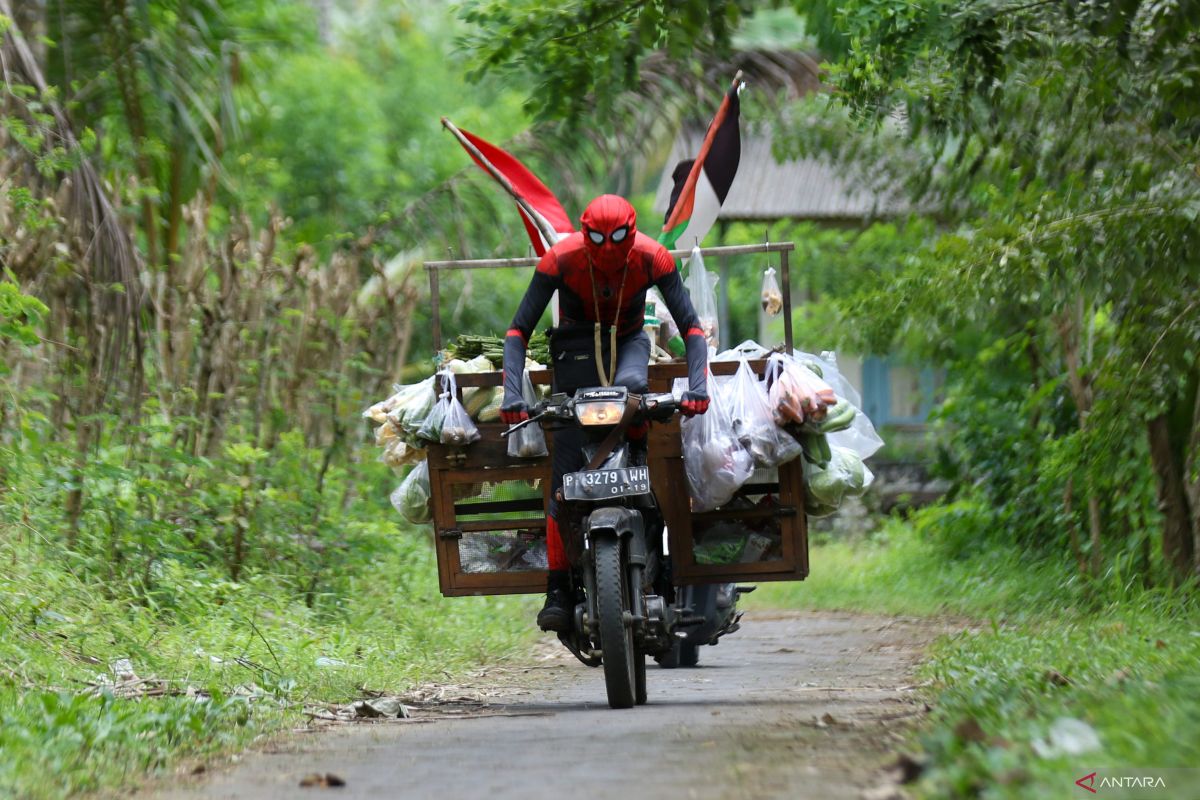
(251, 652)
(1046, 648)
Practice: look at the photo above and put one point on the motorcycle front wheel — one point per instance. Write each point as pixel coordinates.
(616, 638)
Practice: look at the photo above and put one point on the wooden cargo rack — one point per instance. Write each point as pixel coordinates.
(489, 509)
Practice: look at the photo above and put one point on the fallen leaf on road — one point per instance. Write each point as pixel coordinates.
(318, 781)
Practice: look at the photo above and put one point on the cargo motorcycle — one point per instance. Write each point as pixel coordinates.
(626, 606)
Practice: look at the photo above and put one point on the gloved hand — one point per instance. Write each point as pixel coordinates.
(514, 411)
(693, 403)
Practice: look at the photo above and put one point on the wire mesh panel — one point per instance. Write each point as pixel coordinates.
(491, 528)
(760, 535)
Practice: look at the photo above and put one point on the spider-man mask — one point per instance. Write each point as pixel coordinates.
(609, 225)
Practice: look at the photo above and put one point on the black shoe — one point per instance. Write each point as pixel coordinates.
(556, 613)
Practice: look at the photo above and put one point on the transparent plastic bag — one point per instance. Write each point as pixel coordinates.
(399, 453)
(410, 406)
(702, 288)
(772, 297)
(457, 428)
(797, 394)
(753, 423)
(844, 476)
(431, 426)
(411, 497)
(860, 436)
(529, 441)
(716, 463)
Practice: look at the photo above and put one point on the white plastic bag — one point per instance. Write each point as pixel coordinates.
(457, 427)
(796, 393)
(716, 463)
(529, 441)
(411, 497)
(410, 406)
(449, 422)
(861, 436)
(702, 287)
(753, 423)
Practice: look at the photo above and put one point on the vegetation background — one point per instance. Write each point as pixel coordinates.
(212, 214)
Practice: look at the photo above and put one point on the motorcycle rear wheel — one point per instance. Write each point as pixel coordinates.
(616, 638)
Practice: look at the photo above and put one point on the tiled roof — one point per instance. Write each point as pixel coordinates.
(766, 189)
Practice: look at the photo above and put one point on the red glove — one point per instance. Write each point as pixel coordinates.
(514, 412)
(693, 403)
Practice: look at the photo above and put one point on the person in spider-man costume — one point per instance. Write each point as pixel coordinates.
(601, 275)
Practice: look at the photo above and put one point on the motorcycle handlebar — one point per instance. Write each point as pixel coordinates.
(660, 407)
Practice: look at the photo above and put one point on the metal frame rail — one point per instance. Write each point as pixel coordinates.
(783, 248)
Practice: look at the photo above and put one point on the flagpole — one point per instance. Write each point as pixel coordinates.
(548, 233)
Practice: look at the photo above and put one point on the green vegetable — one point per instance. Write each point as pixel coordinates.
(844, 476)
(840, 417)
(816, 447)
(468, 346)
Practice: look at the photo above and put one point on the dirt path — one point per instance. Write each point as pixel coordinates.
(794, 705)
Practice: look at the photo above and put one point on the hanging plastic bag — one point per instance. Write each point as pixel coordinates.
(797, 394)
(410, 406)
(753, 423)
(399, 453)
(435, 420)
(449, 422)
(844, 476)
(457, 428)
(411, 497)
(529, 441)
(772, 297)
(716, 463)
(860, 436)
(702, 287)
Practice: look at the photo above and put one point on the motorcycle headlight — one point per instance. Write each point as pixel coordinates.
(599, 413)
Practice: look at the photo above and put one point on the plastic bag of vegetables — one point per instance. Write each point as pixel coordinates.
(449, 422)
(399, 453)
(529, 441)
(411, 497)
(797, 394)
(753, 424)
(845, 476)
(410, 406)
(860, 434)
(716, 463)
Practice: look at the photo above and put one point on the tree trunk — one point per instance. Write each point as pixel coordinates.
(1178, 538)
(1070, 327)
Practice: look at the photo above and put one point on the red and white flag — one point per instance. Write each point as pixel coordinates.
(543, 216)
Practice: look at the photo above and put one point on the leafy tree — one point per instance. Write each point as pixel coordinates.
(1057, 144)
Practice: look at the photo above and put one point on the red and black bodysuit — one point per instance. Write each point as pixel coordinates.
(602, 274)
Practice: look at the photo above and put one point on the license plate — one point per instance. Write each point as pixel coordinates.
(602, 484)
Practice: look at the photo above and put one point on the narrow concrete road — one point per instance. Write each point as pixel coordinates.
(795, 705)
